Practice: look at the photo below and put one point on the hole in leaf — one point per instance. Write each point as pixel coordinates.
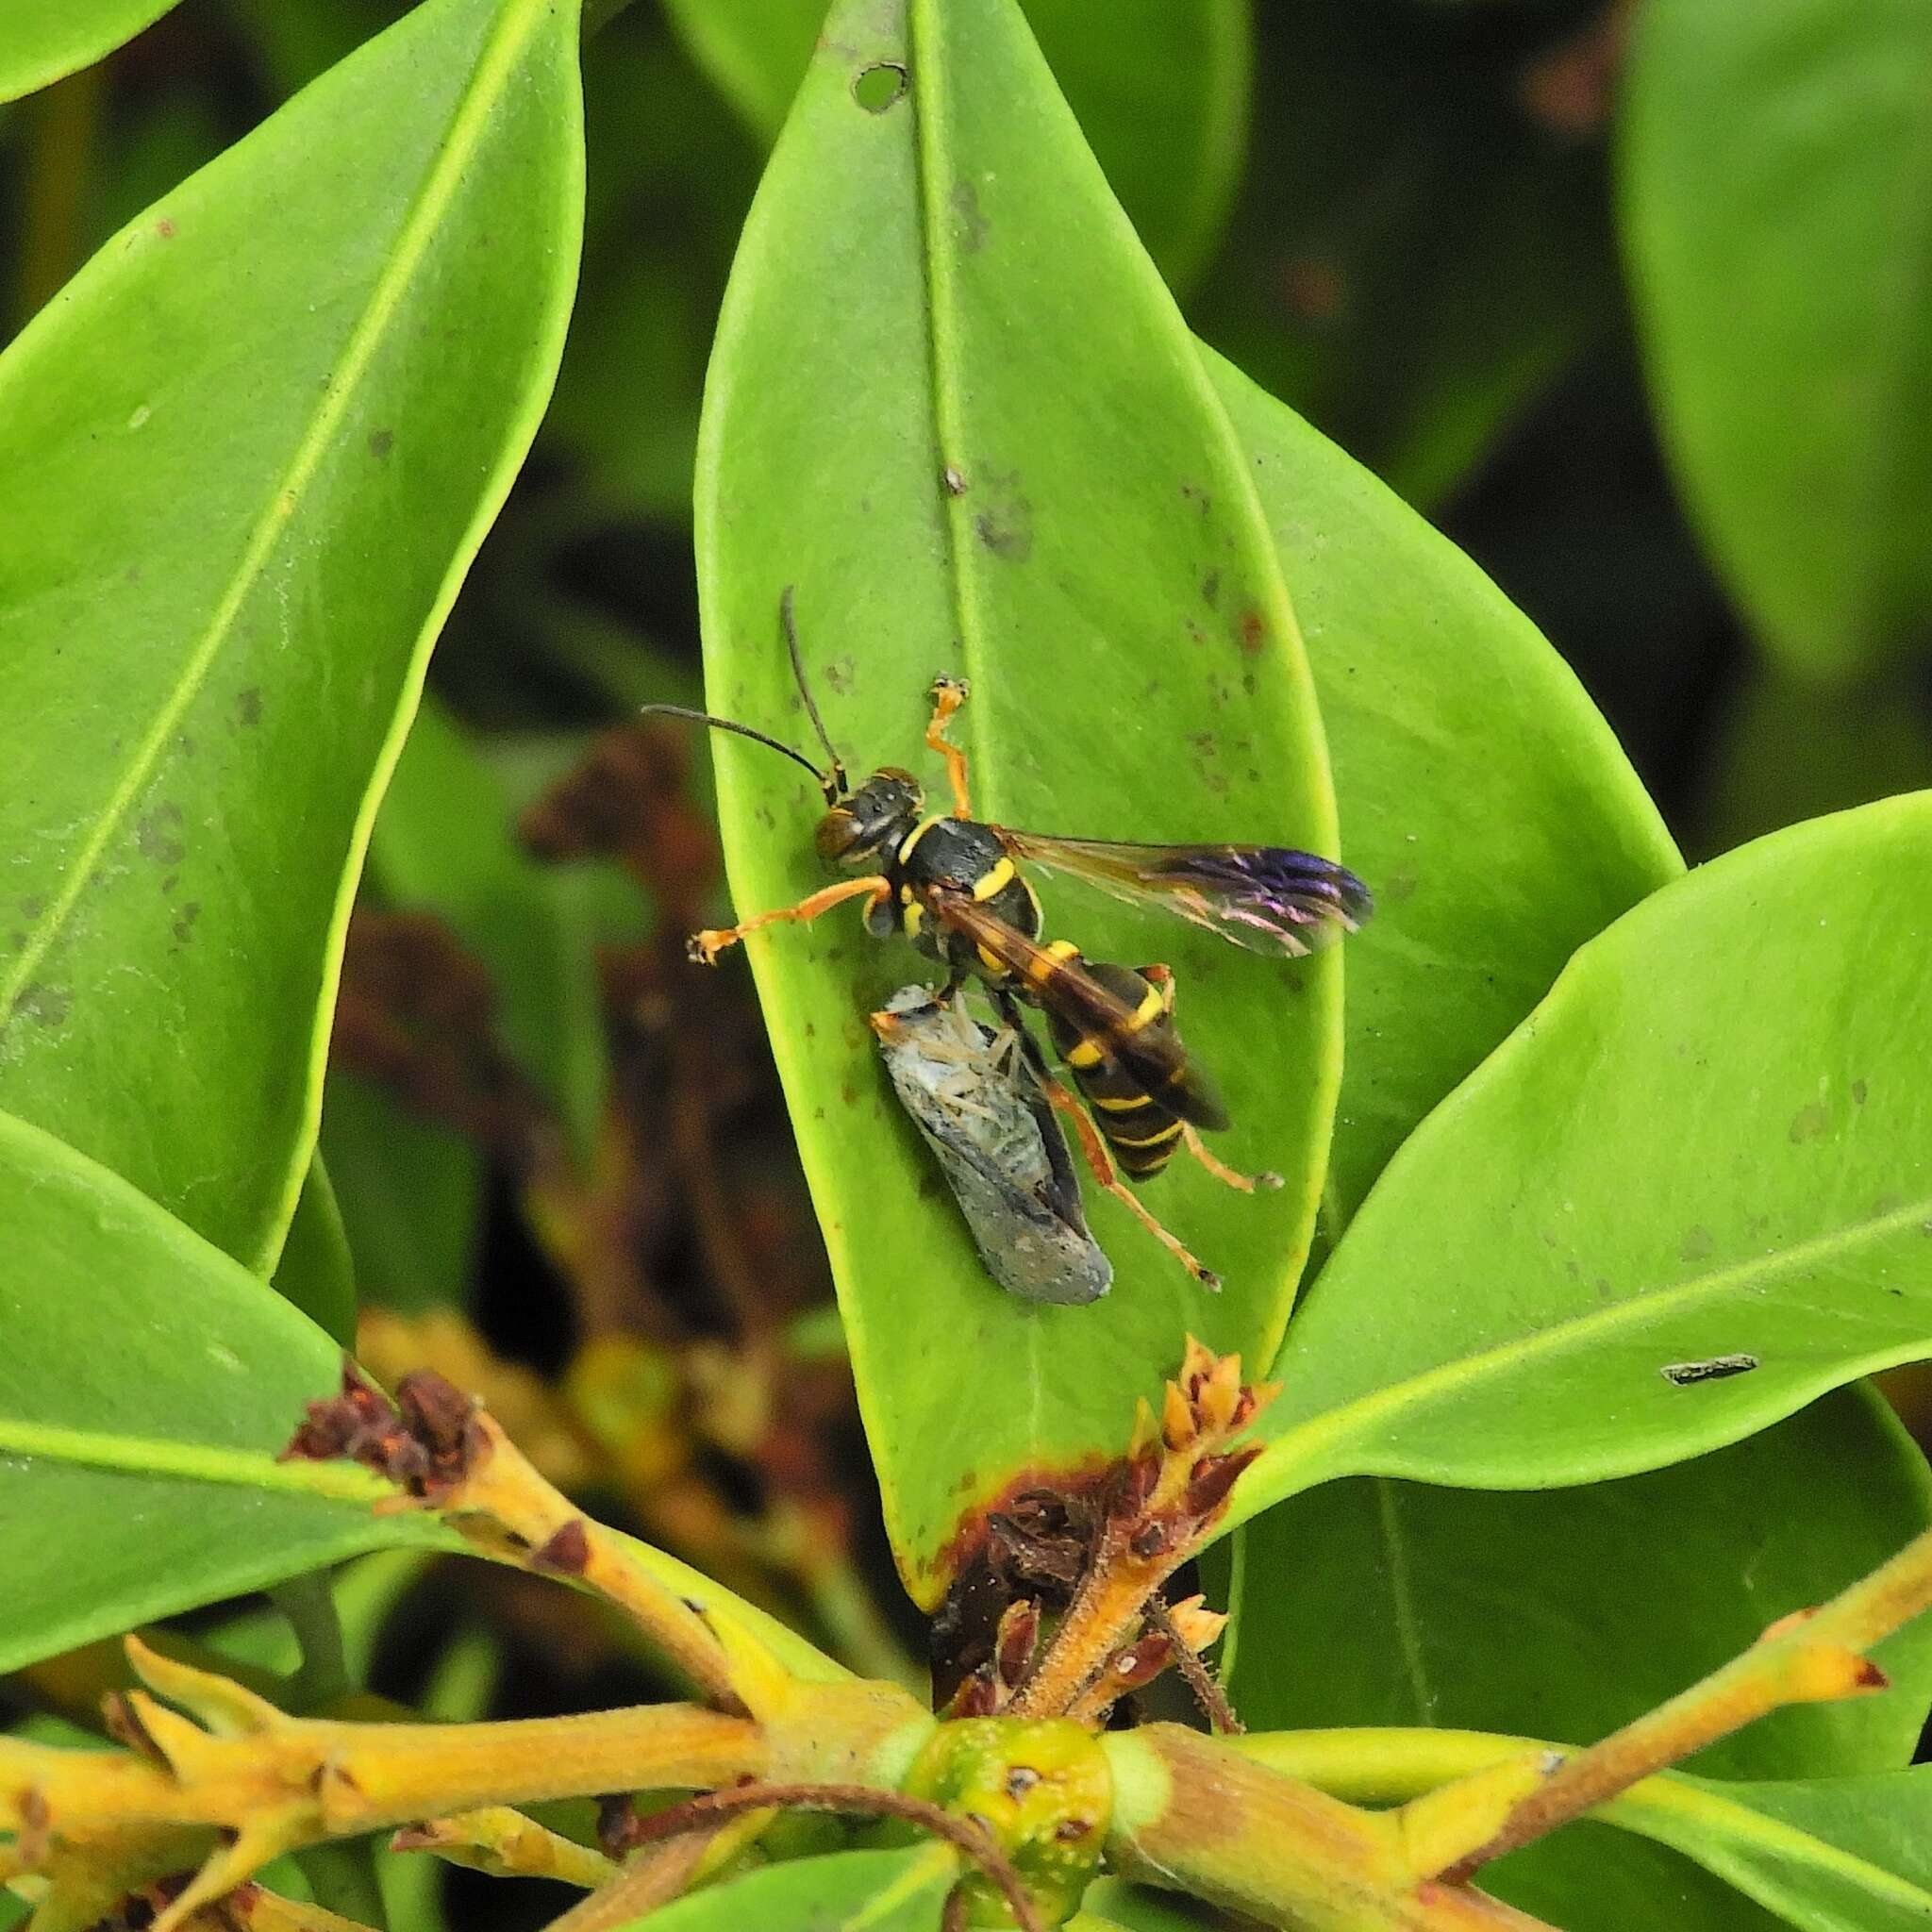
(879, 86)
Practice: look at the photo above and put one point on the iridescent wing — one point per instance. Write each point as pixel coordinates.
(1267, 898)
(1154, 1055)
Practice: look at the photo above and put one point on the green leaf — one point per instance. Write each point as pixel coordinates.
(147, 1383)
(443, 842)
(147, 1386)
(1711, 1140)
(1463, 1609)
(316, 1272)
(412, 1197)
(842, 1892)
(1105, 577)
(245, 457)
(1481, 792)
(1841, 1855)
(39, 41)
(1161, 96)
(1776, 197)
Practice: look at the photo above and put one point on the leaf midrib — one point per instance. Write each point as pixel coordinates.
(1304, 1443)
(205, 1463)
(514, 22)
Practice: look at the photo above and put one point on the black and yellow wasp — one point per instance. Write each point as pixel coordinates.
(953, 885)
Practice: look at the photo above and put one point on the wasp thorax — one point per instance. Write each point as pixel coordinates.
(874, 820)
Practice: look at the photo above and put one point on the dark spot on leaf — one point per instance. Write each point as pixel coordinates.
(1249, 683)
(157, 836)
(849, 1094)
(880, 86)
(165, 229)
(1807, 1123)
(380, 443)
(1199, 498)
(973, 224)
(1254, 632)
(1860, 1091)
(186, 745)
(1210, 589)
(1696, 1245)
(1006, 528)
(248, 707)
(169, 883)
(839, 676)
(48, 1004)
(1195, 632)
(32, 906)
(184, 920)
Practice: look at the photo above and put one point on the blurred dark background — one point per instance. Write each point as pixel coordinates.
(1398, 215)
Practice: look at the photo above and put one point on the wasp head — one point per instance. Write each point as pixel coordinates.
(856, 830)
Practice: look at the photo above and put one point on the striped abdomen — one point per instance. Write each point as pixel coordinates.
(1134, 1071)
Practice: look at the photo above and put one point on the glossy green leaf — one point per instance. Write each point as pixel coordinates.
(842, 1892)
(1776, 176)
(42, 39)
(245, 457)
(444, 842)
(1481, 792)
(316, 1272)
(147, 1385)
(1469, 1610)
(1104, 576)
(1412, 260)
(1161, 93)
(1711, 1140)
(410, 1192)
(1842, 1854)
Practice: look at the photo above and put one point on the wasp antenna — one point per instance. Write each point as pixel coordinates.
(837, 786)
(797, 758)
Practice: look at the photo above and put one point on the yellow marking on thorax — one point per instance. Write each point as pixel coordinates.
(1089, 1052)
(914, 916)
(914, 837)
(996, 878)
(1153, 1004)
(992, 962)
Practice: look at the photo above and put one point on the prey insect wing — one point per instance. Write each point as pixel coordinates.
(1068, 988)
(1266, 898)
(998, 1143)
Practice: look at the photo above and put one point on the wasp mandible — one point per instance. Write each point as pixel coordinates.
(952, 884)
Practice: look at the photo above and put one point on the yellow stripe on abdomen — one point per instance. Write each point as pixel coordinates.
(996, 878)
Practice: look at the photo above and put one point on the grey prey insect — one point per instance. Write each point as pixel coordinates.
(978, 1104)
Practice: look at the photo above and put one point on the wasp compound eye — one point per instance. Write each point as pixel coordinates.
(837, 837)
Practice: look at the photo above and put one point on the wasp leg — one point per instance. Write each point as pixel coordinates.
(704, 947)
(948, 695)
(1227, 1176)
